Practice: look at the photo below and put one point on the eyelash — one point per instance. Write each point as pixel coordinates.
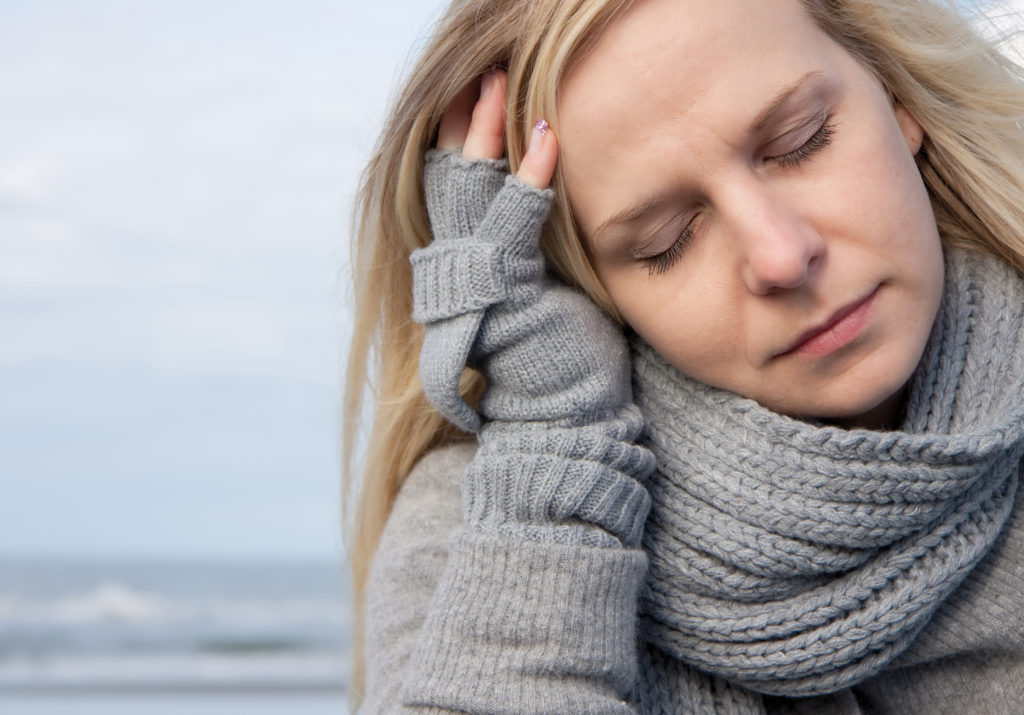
(656, 265)
(818, 141)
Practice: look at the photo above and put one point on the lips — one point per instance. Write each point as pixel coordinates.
(835, 333)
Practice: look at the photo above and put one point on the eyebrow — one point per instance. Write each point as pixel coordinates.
(631, 213)
(762, 119)
(638, 209)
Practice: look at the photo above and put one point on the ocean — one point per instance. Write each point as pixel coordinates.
(166, 637)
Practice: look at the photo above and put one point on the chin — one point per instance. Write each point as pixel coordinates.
(873, 393)
(880, 408)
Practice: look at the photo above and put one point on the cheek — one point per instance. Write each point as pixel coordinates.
(907, 221)
(880, 170)
(683, 321)
(646, 306)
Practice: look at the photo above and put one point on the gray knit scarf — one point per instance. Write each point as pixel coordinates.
(797, 559)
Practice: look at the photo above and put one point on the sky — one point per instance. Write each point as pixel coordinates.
(175, 187)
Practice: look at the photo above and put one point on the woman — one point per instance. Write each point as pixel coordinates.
(795, 491)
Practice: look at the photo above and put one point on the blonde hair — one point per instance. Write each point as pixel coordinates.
(966, 95)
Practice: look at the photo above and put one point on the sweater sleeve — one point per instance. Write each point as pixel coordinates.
(407, 567)
(459, 621)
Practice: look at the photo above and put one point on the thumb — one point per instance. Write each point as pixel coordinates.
(538, 164)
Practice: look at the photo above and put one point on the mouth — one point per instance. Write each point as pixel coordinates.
(835, 333)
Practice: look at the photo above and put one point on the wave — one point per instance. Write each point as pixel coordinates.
(133, 626)
(114, 618)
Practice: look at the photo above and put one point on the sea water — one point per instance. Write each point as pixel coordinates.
(173, 636)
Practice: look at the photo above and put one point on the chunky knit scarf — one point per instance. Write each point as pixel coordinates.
(796, 559)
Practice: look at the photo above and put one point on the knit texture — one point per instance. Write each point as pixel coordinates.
(969, 660)
(785, 557)
(558, 457)
(469, 266)
(459, 621)
(798, 559)
(555, 491)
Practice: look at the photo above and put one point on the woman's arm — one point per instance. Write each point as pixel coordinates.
(407, 570)
(407, 567)
(536, 608)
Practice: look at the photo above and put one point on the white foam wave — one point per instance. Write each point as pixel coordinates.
(110, 601)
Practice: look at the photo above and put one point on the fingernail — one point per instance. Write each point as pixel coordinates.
(486, 83)
(539, 130)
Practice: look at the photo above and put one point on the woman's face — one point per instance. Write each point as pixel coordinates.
(749, 199)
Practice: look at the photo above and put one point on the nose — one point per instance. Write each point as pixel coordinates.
(779, 247)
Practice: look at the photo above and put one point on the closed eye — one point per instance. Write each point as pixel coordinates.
(656, 265)
(818, 141)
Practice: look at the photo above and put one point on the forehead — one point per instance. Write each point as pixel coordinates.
(672, 75)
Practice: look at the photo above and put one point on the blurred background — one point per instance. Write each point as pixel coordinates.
(176, 181)
(175, 186)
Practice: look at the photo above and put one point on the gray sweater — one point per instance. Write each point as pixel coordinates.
(971, 656)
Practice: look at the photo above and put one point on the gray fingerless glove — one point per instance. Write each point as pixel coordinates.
(557, 456)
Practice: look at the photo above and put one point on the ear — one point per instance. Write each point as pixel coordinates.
(912, 131)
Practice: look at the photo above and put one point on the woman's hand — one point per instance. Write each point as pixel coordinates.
(557, 368)
(548, 354)
(555, 489)
(476, 122)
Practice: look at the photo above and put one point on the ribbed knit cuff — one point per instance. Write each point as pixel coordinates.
(455, 277)
(546, 482)
(460, 272)
(540, 628)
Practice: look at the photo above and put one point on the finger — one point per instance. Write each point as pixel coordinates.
(455, 122)
(538, 165)
(486, 138)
